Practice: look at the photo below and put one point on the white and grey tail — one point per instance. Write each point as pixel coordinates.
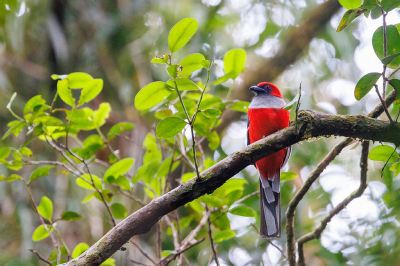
(270, 205)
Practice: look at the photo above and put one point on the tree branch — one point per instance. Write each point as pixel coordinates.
(324, 222)
(312, 124)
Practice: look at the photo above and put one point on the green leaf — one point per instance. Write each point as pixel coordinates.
(169, 127)
(100, 115)
(389, 5)
(87, 198)
(350, 4)
(388, 59)
(191, 63)
(160, 60)
(365, 84)
(151, 95)
(39, 172)
(118, 129)
(243, 211)
(382, 153)
(70, 216)
(212, 112)
(232, 197)
(15, 128)
(224, 235)
(173, 70)
(186, 177)
(12, 178)
(108, 262)
(224, 78)
(211, 201)
(82, 183)
(164, 113)
(65, 92)
(79, 249)
(78, 80)
(285, 176)
(118, 210)
(234, 61)
(220, 220)
(395, 167)
(45, 208)
(349, 16)
(196, 206)
(11, 100)
(40, 233)
(119, 168)
(90, 90)
(165, 166)
(241, 106)
(213, 140)
(233, 184)
(181, 33)
(4, 152)
(393, 44)
(396, 85)
(47, 121)
(123, 182)
(33, 102)
(183, 84)
(376, 12)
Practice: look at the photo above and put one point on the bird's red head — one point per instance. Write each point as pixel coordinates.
(266, 87)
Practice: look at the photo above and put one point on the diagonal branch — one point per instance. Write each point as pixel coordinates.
(312, 124)
(324, 222)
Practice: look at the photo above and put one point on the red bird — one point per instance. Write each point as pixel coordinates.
(266, 116)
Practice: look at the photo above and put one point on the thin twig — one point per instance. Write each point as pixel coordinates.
(297, 109)
(269, 241)
(247, 196)
(211, 239)
(383, 104)
(383, 168)
(40, 257)
(324, 222)
(142, 251)
(165, 261)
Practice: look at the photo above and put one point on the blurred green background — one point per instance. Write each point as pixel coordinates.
(115, 41)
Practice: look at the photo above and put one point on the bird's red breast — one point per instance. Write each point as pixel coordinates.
(264, 122)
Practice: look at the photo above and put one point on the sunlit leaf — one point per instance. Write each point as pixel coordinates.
(169, 127)
(78, 80)
(212, 112)
(70, 216)
(45, 208)
(118, 129)
(181, 33)
(87, 184)
(232, 197)
(164, 113)
(100, 115)
(119, 168)
(183, 84)
(350, 4)
(34, 101)
(40, 233)
(285, 176)
(191, 63)
(234, 61)
(119, 211)
(160, 60)
(383, 153)
(151, 95)
(243, 211)
(90, 90)
(39, 172)
(187, 176)
(224, 235)
(213, 140)
(396, 85)
(79, 249)
(395, 167)
(211, 201)
(65, 92)
(240, 106)
(108, 262)
(365, 84)
(349, 16)
(4, 152)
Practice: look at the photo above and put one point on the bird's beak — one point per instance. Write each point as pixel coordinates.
(256, 89)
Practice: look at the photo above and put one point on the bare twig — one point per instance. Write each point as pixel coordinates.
(142, 251)
(211, 239)
(247, 196)
(269, 241)
(324, 222)
(383, 104)
(40, 257)
(165, 261)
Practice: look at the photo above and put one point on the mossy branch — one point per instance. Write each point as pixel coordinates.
(312, 124)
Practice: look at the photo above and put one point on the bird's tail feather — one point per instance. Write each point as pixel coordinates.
(270, 205)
